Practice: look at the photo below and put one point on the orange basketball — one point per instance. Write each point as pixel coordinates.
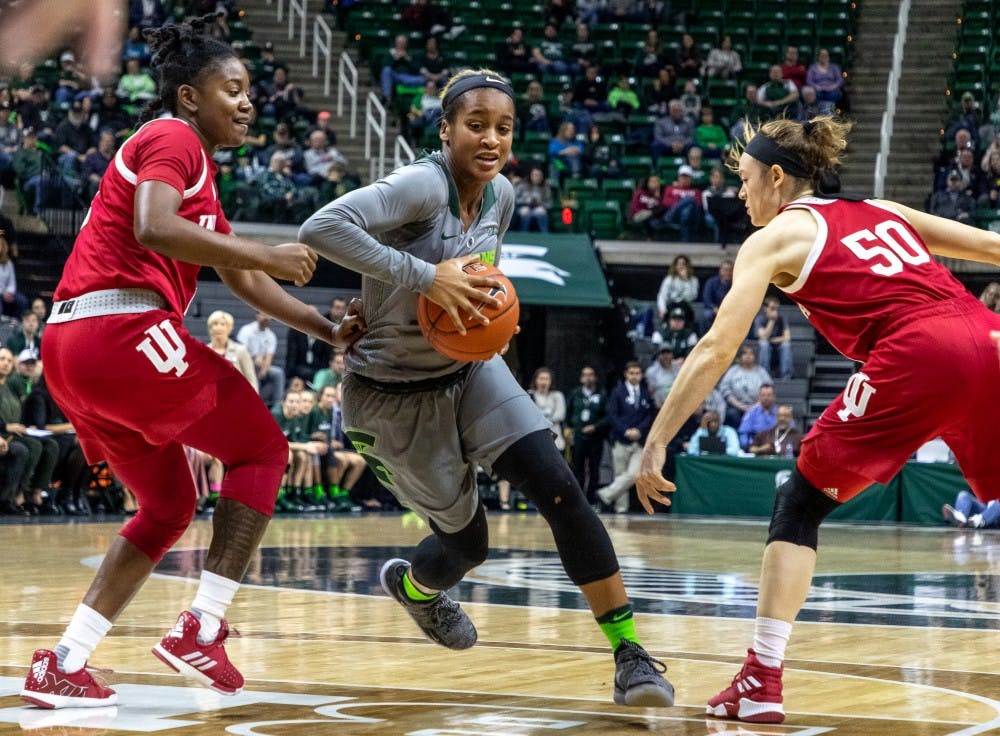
(480, 342)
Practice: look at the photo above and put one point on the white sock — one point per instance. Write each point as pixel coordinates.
(214, 595)
(770, 637)
(84, 633)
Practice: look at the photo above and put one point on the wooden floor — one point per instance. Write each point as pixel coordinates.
(901, 634)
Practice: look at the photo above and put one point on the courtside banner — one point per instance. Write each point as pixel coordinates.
(554, 270)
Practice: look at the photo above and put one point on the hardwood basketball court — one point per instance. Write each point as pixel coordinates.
(901, 634)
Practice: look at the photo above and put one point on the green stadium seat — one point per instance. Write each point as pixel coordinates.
(602, 218)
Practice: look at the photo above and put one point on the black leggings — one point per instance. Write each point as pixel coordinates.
(535, 467)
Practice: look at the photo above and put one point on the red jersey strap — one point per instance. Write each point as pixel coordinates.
(180, 162)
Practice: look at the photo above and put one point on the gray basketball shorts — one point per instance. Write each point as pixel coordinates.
(424, 446)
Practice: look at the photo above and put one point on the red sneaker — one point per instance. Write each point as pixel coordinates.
(49, 687)
(754, 695)
(205, 663)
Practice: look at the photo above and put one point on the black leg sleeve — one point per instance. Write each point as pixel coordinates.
(441, 560)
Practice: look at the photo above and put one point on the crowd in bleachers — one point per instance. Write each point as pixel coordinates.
(966, 180)
(613, 94)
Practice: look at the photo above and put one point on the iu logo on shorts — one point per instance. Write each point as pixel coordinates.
(856, 396)
(164, 348)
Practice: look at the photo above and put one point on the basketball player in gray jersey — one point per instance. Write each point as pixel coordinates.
(423, 421)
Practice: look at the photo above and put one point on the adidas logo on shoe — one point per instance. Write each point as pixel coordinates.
(38, 669)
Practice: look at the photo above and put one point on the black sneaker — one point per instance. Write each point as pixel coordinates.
(639, 679)
(440, 618)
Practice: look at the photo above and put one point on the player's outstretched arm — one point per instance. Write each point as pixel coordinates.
(949, 238)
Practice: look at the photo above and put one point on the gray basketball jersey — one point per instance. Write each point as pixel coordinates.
(393, 232)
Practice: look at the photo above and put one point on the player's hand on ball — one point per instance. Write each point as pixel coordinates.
(650, 485)
(352, 327)
(455, 291)
(293, 262)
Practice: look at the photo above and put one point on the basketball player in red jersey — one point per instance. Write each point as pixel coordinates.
(864, 274)
(137, 387)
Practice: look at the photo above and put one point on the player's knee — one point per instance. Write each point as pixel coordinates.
(156, 527)
(799, 509)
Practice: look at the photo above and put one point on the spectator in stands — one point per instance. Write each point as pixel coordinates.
(532, 113)
(319, 156)
(990, 296)
(280, 197)
(514, 55)
(784, 438)
(673, 133)
(267, 63)
(591, 91)
(660, 374)
(968, 117)
(424, 113)
(991, 170)
(40, 309)
(759, 417)
(550, 56)
(774, 336)
(34, 111)
(284, 143)
(973, 178)
(40, 412)
(135, 85)
(135, 47)
(749, 110)
(723, 62)
(679, 288)
(691, 101)
(630, 415)
(27, 370)
(550, 401)
(953, 203)
(342, 466)
(658, 95)
(111, 115)
(826, 78)
(333, 374)
(96, 163)
(970, 512)
(740, 386)
(293, 424)
(694, 159)
(724, 211)
(26, 338)
(282, 99)
(588, 422)
(12, 302)
(262, 344)
(220, 327)
(565, 153)
(532, 199)
(74, 140)
(714, 438)
(305, 355)
(649, 12)
(646, 204)
(584, 50)
(709, 136)
(777, 95)
(71, 80)
(432, 64)
(682, 203)
(600, 161)
(143, 14)
(615, 11)
(687, 58)
(948, 158)
(587, 11)
(650, 57)
(623, 98)
(13, 461)
(792, 68)
(676, 335)
(26, 163)
(398, 67)
(809, 105)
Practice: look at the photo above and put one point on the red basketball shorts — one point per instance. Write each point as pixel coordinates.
(933, 373)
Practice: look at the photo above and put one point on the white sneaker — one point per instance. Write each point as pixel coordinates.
(953, 516)
(976, 521)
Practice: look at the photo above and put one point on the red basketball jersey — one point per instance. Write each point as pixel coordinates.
(106, 254)
(867, 268)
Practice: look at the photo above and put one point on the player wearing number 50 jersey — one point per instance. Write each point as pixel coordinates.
(864, 274)
(137, 387)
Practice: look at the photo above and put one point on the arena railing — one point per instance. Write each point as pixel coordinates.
(402, 154)
(297, 9)
(891, 91)
(347, 83)
(322, 44)
(375, 127)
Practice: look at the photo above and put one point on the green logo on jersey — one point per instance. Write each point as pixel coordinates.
(488, 256)
(364, 443)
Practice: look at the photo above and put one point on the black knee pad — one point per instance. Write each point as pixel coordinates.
(799, 508)
(535, 467)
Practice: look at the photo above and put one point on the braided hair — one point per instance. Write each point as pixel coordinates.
(181, 53)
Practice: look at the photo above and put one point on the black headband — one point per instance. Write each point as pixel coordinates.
(476, 81)
(768, 152)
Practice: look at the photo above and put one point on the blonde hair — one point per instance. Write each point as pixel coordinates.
(819, 143)
(224, 316)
